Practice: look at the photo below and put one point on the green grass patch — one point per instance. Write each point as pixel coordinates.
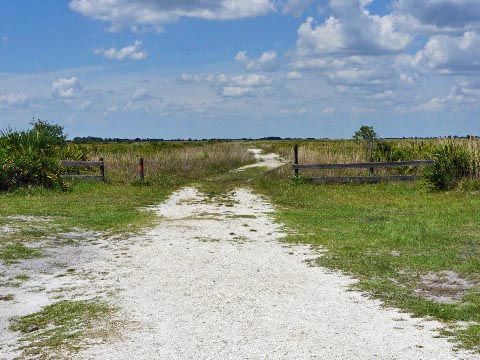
(22, 277)
(63, 326)
(89, 205)
(11, 253)
(470, 337)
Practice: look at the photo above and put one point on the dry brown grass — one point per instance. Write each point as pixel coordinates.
(165, 161)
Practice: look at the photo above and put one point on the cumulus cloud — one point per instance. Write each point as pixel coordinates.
(133, 52)
(66, 88)
(157, 13)
(266, 62)
(13, 99)
(440, 15)
(350, 30)
(450, 54)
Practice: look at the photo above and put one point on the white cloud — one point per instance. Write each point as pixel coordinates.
(381, 96)
(133, 52)
(190, 78)
(357, 110)
(296, 7)
(155, 13)
(294, 75)
(439, 15)
(292, 111)
(13, 99)
(469, 87)
(370, 73)
(328, 110)
(250, 80)
(451, 54)
(66, 88)
(350, 30)
(230, 86)
(455, 97)
(85, 104)
(237, 91)
(266, 62)
(242, 56)
(141, 94)
(242, 85)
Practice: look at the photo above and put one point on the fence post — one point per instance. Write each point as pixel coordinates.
(102, 169)
(295, 157)
(370, 171)
(141, 173)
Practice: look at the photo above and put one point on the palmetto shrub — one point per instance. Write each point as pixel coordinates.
(452, 163)
(31, 157)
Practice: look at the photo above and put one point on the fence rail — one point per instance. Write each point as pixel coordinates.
(368, 165)
(100, 164)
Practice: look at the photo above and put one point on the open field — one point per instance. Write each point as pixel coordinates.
(414, 249)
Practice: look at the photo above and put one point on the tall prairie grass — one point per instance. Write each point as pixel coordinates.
(169, 161)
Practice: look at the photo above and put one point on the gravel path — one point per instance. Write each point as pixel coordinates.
(213, 281)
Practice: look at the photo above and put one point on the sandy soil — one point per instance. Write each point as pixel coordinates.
(214, 281)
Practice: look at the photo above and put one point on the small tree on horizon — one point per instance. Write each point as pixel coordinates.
(369, 136)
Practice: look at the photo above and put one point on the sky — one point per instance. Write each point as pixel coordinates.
(241, 68)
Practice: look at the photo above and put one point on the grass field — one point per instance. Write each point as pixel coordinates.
(414, 249)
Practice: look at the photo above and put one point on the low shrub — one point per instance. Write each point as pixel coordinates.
(31, 157)
(452, 163)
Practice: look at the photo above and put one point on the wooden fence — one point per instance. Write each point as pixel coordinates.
(99, 164)
(369, 165)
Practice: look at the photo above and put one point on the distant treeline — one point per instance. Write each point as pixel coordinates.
(95, 139)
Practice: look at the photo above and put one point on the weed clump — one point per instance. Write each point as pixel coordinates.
(452, 163)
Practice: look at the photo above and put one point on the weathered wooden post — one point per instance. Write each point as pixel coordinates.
(295, 158)
(141, 173)
(102, 169)
(370, 171)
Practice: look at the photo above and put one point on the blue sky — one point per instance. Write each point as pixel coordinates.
(241, 68)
